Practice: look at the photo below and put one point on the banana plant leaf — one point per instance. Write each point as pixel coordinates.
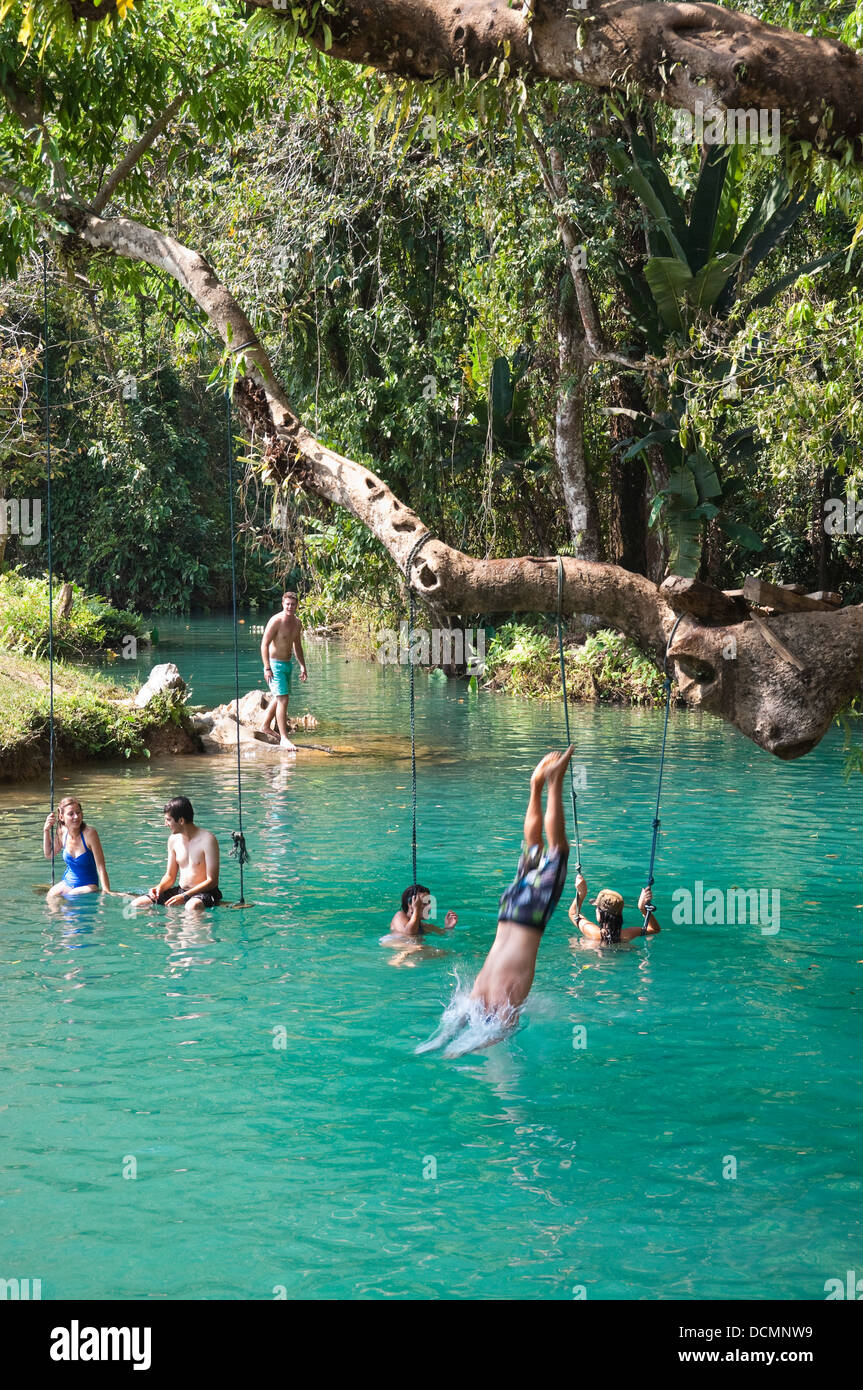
(742, 534)
(706, 203)
(766, 296)
(711, 280)
(682, 487)
(670, 279)
(642, 187)
(706, 479)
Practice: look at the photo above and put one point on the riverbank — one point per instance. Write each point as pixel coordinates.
(93, 719)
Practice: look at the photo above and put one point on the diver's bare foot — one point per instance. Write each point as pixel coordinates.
(561, 763)
(543, 768)
(286, 746)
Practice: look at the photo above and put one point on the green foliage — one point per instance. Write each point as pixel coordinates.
(92, 624)
(699, 269)
(92, 717)
(523, 659)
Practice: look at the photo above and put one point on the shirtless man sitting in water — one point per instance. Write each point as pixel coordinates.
(282, 637)
(194, 854)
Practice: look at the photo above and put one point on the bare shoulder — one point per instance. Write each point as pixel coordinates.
(591, 929)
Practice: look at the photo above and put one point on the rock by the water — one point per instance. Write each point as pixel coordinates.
(223, 734)
(218, 727)
(162, 678)
(252, 707)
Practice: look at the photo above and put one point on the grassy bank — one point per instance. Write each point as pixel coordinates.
(522, 659)
(93, 719)
(90, 625)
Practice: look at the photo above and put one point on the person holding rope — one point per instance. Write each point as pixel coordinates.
(609, 930)
(84, 858)
(193, 853)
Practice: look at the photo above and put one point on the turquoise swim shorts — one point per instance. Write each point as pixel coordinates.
(281, 682)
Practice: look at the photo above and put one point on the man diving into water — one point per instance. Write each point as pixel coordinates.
(504, 981)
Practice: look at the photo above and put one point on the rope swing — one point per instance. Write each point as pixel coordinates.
(656, 822)
(566, 707)
(239, 852)
(50, 554)
(411, 615)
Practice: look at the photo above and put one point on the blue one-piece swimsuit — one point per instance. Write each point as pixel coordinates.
(81, 871)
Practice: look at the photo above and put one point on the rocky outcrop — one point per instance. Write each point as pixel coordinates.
(220, 729)
(164, 678)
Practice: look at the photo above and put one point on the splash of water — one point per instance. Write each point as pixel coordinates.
(467, 1025)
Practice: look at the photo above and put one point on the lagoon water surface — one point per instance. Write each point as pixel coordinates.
(676, 1119)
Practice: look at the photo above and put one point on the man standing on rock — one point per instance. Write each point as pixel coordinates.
(282, 638)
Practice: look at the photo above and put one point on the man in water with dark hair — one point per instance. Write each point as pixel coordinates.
(504, 981)
(609, 930)
(194, 854)
(416, 900)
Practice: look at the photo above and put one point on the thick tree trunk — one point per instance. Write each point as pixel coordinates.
(678, 55)
(578, 495)
(629, 503)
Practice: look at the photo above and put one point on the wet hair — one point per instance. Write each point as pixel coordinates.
(72, 801)
(610, 924)
(180, 808)
(410, 893)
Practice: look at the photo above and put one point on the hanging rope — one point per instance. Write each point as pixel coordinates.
(50, 554)
(649, 884)
(239, 852)
(411, 615)
(566, 706)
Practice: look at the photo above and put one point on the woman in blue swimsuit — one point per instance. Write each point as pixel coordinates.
(82, 854)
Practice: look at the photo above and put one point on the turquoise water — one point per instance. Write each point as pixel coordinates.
(341, 1164)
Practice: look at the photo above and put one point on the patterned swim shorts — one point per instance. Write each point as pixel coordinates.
(535, 891)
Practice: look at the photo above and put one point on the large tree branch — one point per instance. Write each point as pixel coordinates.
(124, 168)
(674, 54)
(729, 671)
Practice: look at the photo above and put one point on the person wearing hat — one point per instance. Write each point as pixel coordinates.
(609, 909)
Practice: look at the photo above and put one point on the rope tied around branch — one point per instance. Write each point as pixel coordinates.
(411, 615)
(656, 821)
(566, 707)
